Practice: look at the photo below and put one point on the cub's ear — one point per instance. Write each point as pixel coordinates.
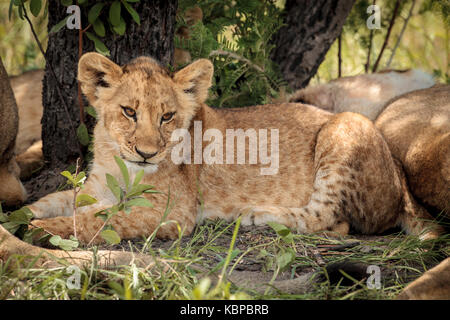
(94, 71)
(195, 79)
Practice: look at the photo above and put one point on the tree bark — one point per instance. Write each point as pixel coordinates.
(153, 37)
(311, 28)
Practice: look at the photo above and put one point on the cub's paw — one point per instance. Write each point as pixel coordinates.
(44, 209)
(259, 215)
(38, 213)
(60, 226)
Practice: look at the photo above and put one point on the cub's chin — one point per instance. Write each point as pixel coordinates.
(137, 166)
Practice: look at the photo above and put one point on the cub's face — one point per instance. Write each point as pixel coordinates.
(140, 104)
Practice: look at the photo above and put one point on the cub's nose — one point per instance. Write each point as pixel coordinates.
(145, 155)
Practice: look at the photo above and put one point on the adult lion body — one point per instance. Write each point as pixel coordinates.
(366, 94)
(12, 191)
(27, 89)
(416, 127)
(335, 171)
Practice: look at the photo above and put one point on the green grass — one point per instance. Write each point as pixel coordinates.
(190, 267)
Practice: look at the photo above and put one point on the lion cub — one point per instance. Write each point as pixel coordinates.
(324, 172)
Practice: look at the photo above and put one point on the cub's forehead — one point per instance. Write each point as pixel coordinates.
(147, 66)
(146, 77)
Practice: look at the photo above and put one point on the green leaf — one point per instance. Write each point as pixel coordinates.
(280, 229)
(222, 261)
(99, 28)
(80, 178)
(137, 178)
(66, 3)
(35, 7)
(124, 170)
(117, 287)
(3, 217)
(139, 202)
(30, 234)
(99, 45)
(12, 227)
(91, 111)
(84, 200)
(284, 259)
(21, 216)
(120, 29)
(69, 177)
(132, 12)
(64, 244)
(82, 134)
(102, 215)
(114, 209)
(283, 231)
(94, 12)
(138, 190)
(110, 236)
(113, 185)
(114, 13)
(59, 25)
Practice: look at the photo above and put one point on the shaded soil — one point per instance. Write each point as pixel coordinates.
(42, 183)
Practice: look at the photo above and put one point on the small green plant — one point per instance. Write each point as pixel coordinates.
(17, 222)
(126, 198)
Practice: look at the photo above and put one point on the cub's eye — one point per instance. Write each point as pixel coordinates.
(167, 117)
(129, 112)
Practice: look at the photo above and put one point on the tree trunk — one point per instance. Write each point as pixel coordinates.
(153, 37)
(311, 28)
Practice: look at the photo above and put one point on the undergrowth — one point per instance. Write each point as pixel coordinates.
(198, 266)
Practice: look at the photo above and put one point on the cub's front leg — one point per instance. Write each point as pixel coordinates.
(61, 203)
(53, 205)
(140, 222)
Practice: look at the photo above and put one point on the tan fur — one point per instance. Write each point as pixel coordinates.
(432, 285)
(366, 94)
(416, 127)
(12, 191)
(335, 171)
(27, 89)
(31, 160)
